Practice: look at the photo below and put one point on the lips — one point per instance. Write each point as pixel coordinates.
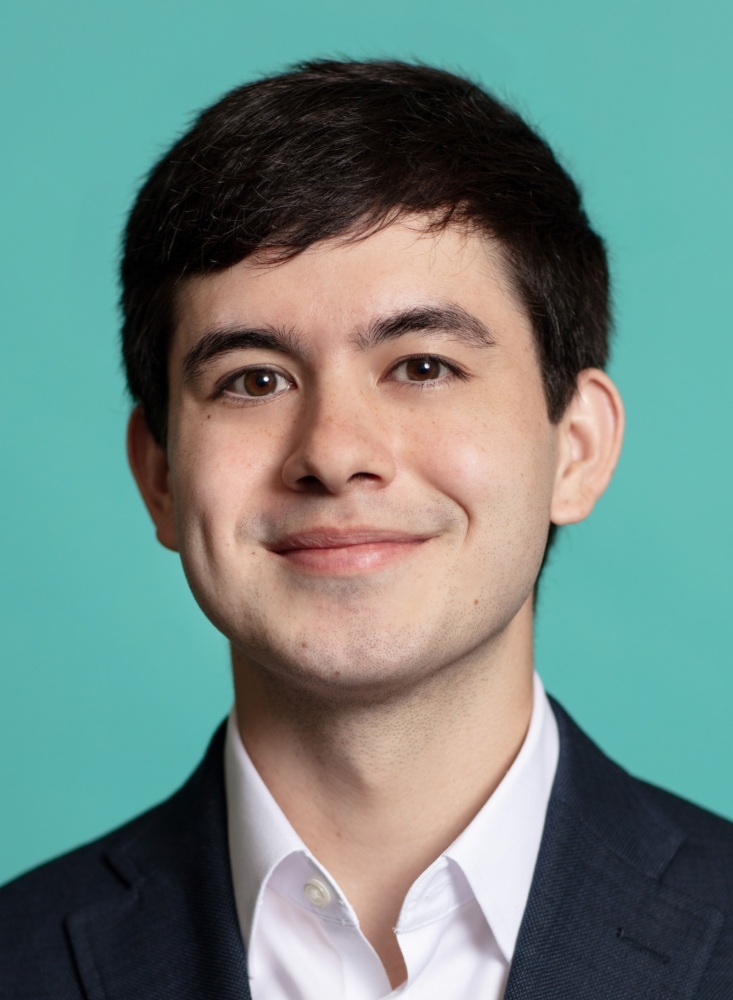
(346, 552)
(337, 538)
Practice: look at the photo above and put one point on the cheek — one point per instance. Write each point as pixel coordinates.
(216, 481)
(500, 472)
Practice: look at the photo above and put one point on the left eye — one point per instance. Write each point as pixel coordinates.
(425, 368)
(257, 383)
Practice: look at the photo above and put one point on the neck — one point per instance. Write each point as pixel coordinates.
(385, 785)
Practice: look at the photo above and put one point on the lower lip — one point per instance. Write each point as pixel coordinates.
(347, 560)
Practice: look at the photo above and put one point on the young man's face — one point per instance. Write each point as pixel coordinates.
(360, 461)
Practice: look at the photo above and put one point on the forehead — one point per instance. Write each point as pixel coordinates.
(337, 287)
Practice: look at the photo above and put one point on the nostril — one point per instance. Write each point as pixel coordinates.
(312, 484)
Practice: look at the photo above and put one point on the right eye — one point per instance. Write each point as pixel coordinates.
(257, 383)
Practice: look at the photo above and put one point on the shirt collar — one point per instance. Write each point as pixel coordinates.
(495, 854)
(498, 850)
(260, 835)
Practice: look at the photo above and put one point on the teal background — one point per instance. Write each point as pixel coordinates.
(112, 680)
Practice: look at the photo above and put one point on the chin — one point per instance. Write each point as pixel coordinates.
(352, 669)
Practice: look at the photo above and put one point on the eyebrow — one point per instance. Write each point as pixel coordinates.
(436, 319)
(225, 340)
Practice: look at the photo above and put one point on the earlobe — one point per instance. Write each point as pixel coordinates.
(149, 464)
(590, 436)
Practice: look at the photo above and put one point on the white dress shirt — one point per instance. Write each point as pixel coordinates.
(460, 919)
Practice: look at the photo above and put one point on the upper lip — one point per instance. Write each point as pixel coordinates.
(333, 538)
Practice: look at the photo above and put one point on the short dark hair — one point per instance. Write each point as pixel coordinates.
(332, 149)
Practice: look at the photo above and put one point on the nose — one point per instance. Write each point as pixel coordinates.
(339, 443)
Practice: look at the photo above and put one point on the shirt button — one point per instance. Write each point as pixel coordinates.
(317, 893)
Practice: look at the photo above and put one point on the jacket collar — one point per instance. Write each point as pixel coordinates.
(600, 921)
(171, 930)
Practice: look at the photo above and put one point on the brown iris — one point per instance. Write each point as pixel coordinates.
(259, 382)
(422, 369)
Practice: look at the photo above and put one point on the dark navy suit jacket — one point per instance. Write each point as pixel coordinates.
(632, 898)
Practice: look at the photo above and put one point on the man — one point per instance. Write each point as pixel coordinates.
(365, 325)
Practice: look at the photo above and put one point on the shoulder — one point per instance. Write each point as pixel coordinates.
(69, 881)
(702, 869)
(705, 855)
(607, 797)
(36, 907)
(677, 855)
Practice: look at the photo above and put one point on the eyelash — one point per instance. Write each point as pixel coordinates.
(223, 387)
(454, 371)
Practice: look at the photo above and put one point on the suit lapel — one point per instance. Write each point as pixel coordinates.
(599, 921)
(171, 931)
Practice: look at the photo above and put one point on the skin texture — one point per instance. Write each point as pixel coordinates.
(364, 517)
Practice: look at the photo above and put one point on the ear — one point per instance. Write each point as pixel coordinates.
(590, 435)
(149, 464)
